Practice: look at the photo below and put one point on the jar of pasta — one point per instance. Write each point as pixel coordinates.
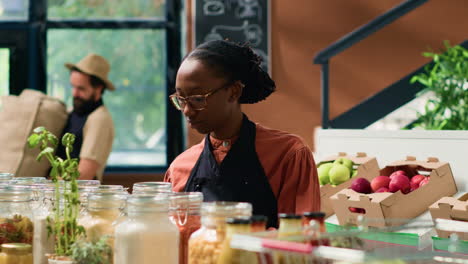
(205, 244)
(16, 224)
(185, 213)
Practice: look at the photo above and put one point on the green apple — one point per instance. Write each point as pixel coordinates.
(339, 174)
(354, 173)
(344, 161)
(322, 171)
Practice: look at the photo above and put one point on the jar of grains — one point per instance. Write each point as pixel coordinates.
(147, 235)
(205, 244)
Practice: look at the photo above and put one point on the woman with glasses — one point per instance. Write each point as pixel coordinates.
(238, 160)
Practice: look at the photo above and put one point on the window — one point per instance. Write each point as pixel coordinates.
(4, 71)
(13, 10)
(140, 39)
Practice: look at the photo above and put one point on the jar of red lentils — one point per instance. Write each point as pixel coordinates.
(185, 213)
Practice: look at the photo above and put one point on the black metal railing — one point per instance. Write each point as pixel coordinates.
(324, 56)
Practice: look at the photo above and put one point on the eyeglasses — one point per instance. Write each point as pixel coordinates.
(196, 102)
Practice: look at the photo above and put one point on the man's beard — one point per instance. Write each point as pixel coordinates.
(82, 106)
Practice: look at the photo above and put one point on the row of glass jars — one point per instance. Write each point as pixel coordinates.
(136, 223)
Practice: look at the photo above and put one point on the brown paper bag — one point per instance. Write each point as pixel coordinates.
(19, 115)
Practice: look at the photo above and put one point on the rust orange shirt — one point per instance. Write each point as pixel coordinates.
(288, 164)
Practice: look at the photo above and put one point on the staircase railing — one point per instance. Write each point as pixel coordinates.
(324, 56)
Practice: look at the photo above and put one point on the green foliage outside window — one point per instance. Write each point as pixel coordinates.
(105, 8)
(447, 78)
(138, 70)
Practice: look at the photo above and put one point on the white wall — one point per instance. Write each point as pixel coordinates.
(389, 146)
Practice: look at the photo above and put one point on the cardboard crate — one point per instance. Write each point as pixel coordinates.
(452, 209)
(367, 167)
(390, 209)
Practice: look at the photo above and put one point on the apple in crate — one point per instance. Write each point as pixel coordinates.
(361, 185)
(339, 174)
(382, 189)
(398, 172)
(400, 183)
(416, 179)
(323, 173)
(379, 182)
(346, 162)
(424, 182)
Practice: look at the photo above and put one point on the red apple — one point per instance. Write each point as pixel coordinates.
(398, 172)
(357, 210)
(413, 186)
(400, 183)
(382, 189)
(361, 185)
(424, 182)
(416, 179)
(379, 182)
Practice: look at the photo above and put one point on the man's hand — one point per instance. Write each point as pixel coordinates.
(88, 169)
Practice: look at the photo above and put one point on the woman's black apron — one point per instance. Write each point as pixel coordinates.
(240, 176)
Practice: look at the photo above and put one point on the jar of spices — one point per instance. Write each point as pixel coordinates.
(151, 187)
(205, 244)
(230, 255)
(185, 213)
(258, 223)
(290, 225)
(318, 217)
(16, 253)
(147, 235)
(16, 224)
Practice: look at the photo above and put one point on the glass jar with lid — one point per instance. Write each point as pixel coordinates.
(103, 209)
(151, 187)
(290, 225)
(230, 255)
(185, 213)
(111, 188)
(28, 180)
(16, 253)
(88, 182)
(16, 224)
(147, 235)
(83, 192)
(43, 243)
(205, 243)
(5, 178)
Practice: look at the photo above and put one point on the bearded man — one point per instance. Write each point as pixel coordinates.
(90, 121)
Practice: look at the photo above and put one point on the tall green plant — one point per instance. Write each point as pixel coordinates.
(447, 78)
(63, 225)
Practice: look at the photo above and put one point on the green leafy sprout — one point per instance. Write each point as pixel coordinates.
(447, 78)
(62, 224)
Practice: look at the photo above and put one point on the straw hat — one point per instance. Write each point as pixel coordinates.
(96, 65)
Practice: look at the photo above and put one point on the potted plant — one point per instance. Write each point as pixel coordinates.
(447, 78)
(84, 252)
(62, 224)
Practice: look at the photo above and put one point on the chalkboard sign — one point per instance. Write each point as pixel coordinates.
(243, 21)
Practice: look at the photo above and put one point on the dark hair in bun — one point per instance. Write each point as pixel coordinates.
(236, 62)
